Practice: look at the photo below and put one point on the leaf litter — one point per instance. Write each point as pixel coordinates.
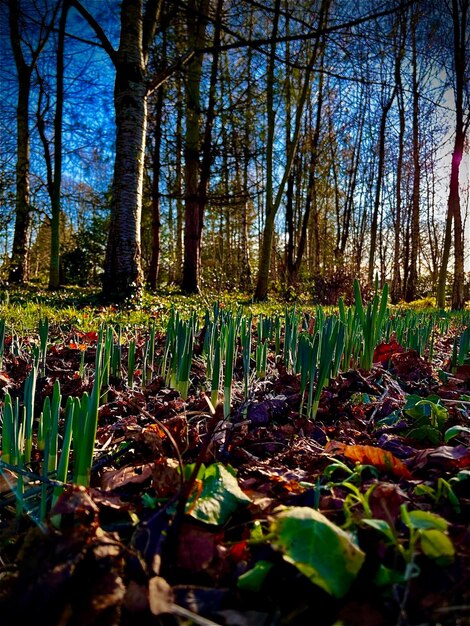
(265, 518)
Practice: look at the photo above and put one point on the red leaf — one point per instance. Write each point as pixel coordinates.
(463, 372)
(239, 551)
(384, 351)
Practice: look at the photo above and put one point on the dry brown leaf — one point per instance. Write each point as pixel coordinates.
(369, 455)
(160, 596)
(114, 479)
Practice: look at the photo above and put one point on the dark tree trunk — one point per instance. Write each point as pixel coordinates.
(412, 279)
(154, 268)
(197, 21)
(19, 257)
(54, 267)
(460, 14)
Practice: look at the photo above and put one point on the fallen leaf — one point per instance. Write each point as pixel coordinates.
(409, 366)
(449, 457)
(462, 372)
(385, 500)
(5, 380)
(160, 596)
(318, 548)
(384, 351)
(369, 455)
(114, 479)
(7, 480)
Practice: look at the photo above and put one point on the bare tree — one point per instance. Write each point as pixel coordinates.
(24, 67)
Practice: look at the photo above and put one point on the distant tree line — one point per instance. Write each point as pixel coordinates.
(235, 143)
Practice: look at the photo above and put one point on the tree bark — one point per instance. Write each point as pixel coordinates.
(378, 187)
(18, 272)
(261, 290)
(123, 272)
(459, 13)
(196, 24)
(412, 278)
(293, 265)
(154, 268)
(19, 257)
(396, 289)
(54, 266)
(123, 276)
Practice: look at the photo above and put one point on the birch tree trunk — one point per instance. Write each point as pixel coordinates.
(123, 272)
(19, 256)
(123, 276)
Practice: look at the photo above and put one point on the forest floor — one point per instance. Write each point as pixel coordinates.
(359, 518)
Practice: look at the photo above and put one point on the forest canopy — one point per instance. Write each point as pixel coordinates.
(236, 144)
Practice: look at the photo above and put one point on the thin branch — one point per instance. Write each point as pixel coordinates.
(99, 32)
(165, 74)
(255, 43)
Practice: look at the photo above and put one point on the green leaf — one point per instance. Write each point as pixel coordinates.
(316, 547)
(462, 475)
(386, 576)
(436, 545)
(382, 526)
(423, 520)
(256, 533)
(453, 431)
(434, 414)
(425, 490)
(425, 433)
(219, 498)
(253, 579)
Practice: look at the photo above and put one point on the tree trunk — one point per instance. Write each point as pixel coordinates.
(460, 21)
(154, 268)
(261, 290)
(179, 182)
(378, 188)
(273, 203)
(18, 272)
(396, 289)
(197, 21)
(122, 269)
(19, 258)
(123, 273)
(293, 266)
(54, 267)
(459, 12)
(412, 279)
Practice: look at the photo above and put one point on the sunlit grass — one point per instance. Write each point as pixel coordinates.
(78, 308)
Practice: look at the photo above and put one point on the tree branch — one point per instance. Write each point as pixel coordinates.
(255, 43)
(99, 32)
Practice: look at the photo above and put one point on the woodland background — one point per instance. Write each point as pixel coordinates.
(235, 144)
